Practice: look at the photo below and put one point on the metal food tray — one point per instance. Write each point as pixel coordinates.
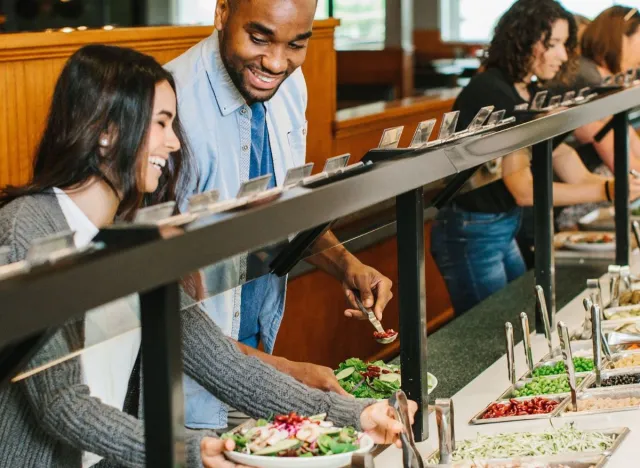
(589, 383)
(610, 362)
(614, 325)
(602, 392)
(555, 461)
(579, 459)
(554, 361)
(508, 394)
(579, 348)
(610, 311)
(476, 420)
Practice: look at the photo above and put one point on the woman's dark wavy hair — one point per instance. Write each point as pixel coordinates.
(517, 32)
(104, 88)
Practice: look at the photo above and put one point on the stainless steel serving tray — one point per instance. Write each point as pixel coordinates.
(554, 361)
(602, 392)
(579, 348)
(477, 418)
(589, 383)
(508, 394)
(579, 459)
(609, 311)
(556, 461)
(610, 363)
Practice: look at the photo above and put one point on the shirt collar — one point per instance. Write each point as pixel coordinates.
(227, 95)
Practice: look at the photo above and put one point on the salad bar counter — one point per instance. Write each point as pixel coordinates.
(542, 428)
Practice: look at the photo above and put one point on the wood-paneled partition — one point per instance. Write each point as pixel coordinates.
(31, 62)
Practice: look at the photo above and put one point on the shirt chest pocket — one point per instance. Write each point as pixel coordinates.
(298, 144)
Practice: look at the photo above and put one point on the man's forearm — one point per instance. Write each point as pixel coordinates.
(279, 363)
(331, 256)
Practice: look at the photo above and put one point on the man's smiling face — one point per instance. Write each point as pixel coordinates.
(262, 42)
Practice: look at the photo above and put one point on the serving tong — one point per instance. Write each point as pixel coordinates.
(542, 304)
(597, 343)
(446, 430)
(614, 285)
(374, 321)
(526, 334)
(636, 233)
(511, 365)
(567, 355)
(411, 458)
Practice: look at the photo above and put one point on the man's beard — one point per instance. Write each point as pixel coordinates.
(238, 79)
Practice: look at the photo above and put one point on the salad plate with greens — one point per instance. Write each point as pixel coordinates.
(372, 379)
(293, 441)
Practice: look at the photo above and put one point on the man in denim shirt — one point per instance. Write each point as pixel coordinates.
(242, 99)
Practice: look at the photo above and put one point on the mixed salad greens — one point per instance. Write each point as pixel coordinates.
(292, 435)
(368, 380)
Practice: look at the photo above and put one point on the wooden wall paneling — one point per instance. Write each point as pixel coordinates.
(428, 45)
(31, 62)
(320, 73)
(357, 130)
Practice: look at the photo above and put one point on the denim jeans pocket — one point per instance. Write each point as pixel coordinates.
(484, 219)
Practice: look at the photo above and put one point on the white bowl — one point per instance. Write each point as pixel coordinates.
(329, 461)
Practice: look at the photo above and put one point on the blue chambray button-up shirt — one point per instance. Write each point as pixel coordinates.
(218, 124)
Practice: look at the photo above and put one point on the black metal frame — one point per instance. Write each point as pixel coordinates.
(162, 368)
(621, 172)
(542, 171)
(151, 266)
(412, 305)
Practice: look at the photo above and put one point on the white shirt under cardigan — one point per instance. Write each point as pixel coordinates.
(112, 333)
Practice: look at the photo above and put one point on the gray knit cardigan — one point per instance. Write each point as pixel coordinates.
(47, 420)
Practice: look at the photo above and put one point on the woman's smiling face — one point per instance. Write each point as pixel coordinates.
(161, 140)
(547, 59)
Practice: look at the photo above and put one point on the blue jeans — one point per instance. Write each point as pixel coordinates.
(476, 253)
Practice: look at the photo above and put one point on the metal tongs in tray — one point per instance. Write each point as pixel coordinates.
(411, 458)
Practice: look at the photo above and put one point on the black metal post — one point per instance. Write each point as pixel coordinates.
(542, 170)
(162, 370)
(621, 172)
(413, 307)
(139, 15)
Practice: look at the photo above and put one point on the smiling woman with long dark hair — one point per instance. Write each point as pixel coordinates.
(474, 239)
(113, 138)
(109, 95)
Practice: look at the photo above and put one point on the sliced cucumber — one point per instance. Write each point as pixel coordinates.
(330, 430)
(287, 444)
(390, 378)
(318, 417)
(344, 373)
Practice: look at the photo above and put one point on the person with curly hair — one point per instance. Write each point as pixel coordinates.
(474, 238)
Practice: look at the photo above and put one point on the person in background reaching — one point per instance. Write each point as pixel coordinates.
(610, 45)
(243, 99)
(473, 241)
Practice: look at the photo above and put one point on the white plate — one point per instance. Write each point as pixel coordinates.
(586, 247)
(329, 461)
